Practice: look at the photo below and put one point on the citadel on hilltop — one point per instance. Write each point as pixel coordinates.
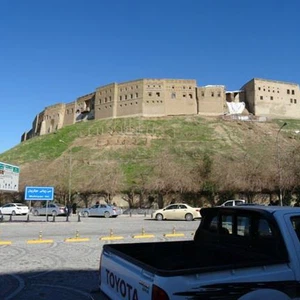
(257, 99)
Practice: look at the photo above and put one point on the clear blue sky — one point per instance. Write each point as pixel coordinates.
(55, 51)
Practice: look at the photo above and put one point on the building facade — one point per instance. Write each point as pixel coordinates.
(271, 98)
(170, 97)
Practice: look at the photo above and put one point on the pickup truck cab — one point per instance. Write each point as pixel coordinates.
(241, 252)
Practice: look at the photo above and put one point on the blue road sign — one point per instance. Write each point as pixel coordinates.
(39, 193)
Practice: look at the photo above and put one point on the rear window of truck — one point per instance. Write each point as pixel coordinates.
(251, 231)
(296, 225)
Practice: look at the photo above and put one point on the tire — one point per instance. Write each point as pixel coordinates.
(189, 217)
(35, 213)
(85, 214)
(107, 214)
(13, 213)
(54, 213)
(159, 217)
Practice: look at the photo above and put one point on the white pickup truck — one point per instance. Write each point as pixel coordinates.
(241, 252)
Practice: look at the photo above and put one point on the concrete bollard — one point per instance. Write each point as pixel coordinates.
(27, 218)
(130, 214)
(67, 218)
(1, 218)
(10, 218)
(145, 214)
(53, 219)
(47, 218)
(78, 217)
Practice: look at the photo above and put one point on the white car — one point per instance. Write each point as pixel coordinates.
(14, 209)
(233, 202)
(180, 211)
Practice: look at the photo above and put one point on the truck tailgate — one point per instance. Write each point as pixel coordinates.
(120, 279)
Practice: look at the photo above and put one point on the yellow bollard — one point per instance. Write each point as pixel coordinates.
(40, 240)
(173, 234)
(111, 237)
(5, 242)
(143, 235)
(77, 238)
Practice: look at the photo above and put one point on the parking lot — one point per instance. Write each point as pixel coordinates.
(59, 258)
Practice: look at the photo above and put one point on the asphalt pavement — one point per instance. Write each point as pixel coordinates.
(59, 258)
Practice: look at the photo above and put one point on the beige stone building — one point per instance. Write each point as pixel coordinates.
(211, 100)
(171, 97)
(271, 98)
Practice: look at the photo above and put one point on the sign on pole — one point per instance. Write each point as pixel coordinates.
(9, 177)
(45, 193)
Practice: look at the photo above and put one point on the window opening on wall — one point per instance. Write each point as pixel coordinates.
(261, 97)
(158, 94)
(120, 98)
(291, 100)
(125, 97)
(191, 96)
(131, 96)
(212, 94)
(295, 101)
(259, 88)
(219, 94)
(173, 96)
(288, 91)
(136, 95)
(150, 94)
(271, 97)
(184, 95)
(202, 94)
(293, 92)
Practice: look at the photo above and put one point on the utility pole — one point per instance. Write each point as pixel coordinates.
(279, 164)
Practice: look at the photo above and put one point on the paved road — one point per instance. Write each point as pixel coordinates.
(66, 267)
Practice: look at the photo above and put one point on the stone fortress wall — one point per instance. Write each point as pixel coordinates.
(171, 97)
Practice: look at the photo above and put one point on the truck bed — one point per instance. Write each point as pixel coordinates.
(182, 257)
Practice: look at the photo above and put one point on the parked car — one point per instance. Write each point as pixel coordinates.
(102, 210)
(233, 202)
(180, 211)
(53, 209)
(14, 209)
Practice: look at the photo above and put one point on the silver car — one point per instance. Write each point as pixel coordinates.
(102, 210)
(53, 209)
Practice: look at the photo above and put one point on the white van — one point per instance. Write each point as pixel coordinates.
(233, 202)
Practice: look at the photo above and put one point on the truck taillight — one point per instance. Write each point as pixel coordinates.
(158, 293)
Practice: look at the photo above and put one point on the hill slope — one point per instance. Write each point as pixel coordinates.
(137, 153)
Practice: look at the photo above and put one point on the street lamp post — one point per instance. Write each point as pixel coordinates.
(70, 174)
(279, 163)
